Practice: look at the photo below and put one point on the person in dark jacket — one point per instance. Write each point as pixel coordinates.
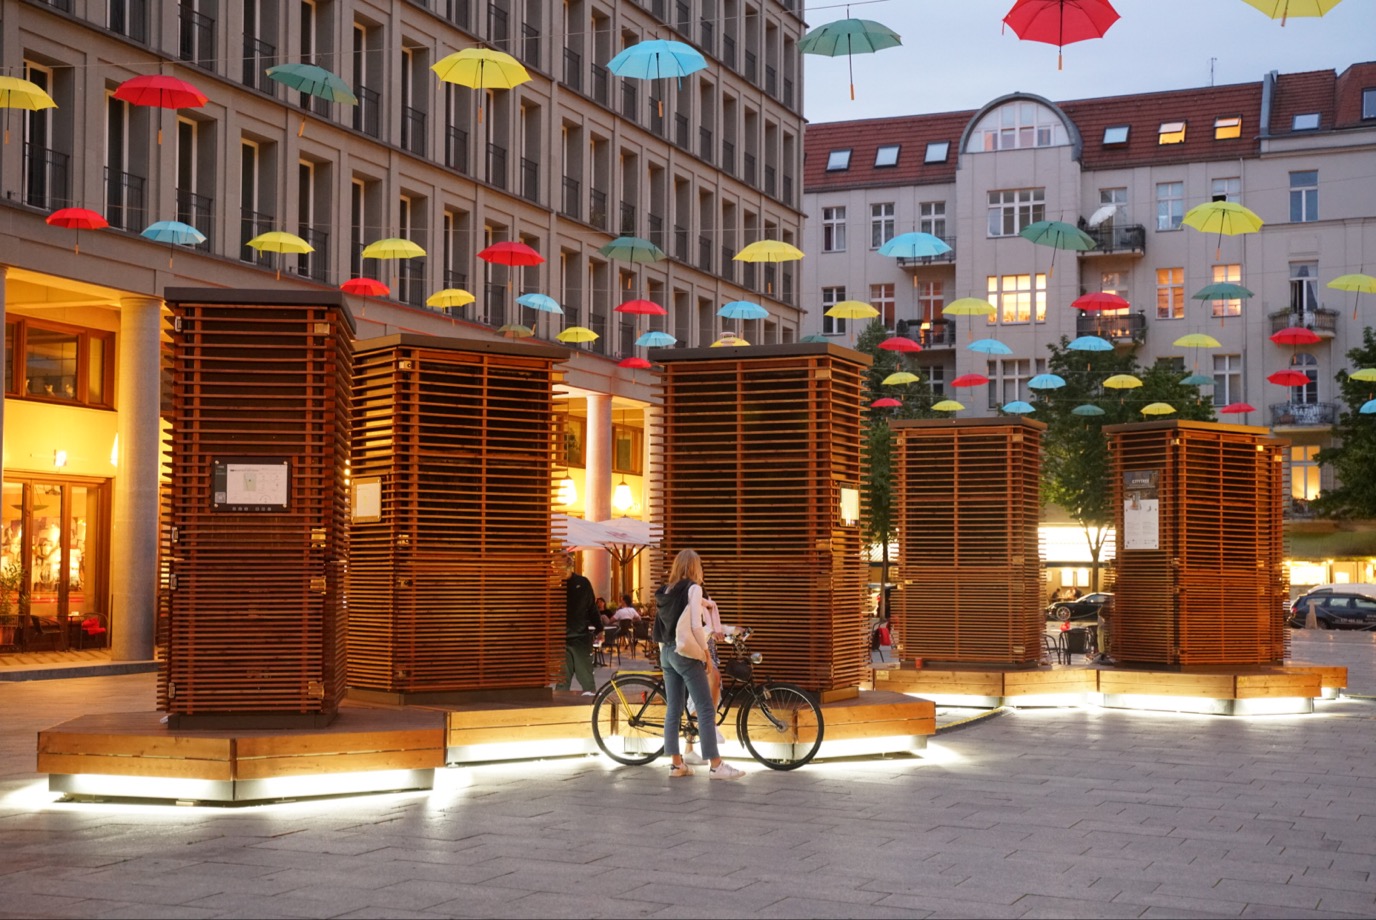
(581, 624)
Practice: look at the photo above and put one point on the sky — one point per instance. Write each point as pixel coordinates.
(956, 56)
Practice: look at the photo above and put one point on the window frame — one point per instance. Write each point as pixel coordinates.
(1369, 103)
(1298, 117)
(1304, 198)
(1174, 216)
(937, 152)
(634, 438)
(1171, 133)
(1115, 140)
(839, 160)
(17, 327)
(886, 162)
(834, 228)
(1025, 207)
(1174, 289)
(1227, 127)
(1227, 374)
(832, 295)
(1226, 272)
(1025, 291)
(883, 226)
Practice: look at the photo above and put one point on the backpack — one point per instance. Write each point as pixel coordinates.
(670, 601)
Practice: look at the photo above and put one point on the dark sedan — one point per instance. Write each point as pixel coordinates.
(1084, 608)
(1335, 610)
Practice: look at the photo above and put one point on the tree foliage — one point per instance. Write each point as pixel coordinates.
(1353, 456)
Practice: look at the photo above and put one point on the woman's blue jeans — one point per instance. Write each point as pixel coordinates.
(687, 674)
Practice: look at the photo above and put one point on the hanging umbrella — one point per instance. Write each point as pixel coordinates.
(641, 308)
(542, 303)
(1087, 410)
(511, 253)
(1237, 408)
(1060, 22)
(900, 378)
(635, 363)
(948, 405)
(1089, 343)
(1018, 407)
(159, 91)
(1223, 217)
(1099, 300)
(886, 402)
(174, 233)
(1367, 374)
(989, 347)
(450, 297)
(656, 340)
(279, 241)
(768, 251)
(1295, 335)
(1289, 378)
(1284, 9)
(313, 81)
(729, 340)
(1122, 382)
(1197, 380)
(392, 248)
(1222, 290)
(1158, 408)
(516, 331)
(1368, 407)
(77, 219)
(816, 339)
(852, 309)
(969, 306)
(1358, 283)
(577, 334)
(742, 310)
(1197, 340)
(481, 69)
(901, 344)
(970, 380)
(1046, 382)
(367, 287)
(655, 59)
(849, 37)
(16, 93)
(914, 245)
(632, 249)
(1058, 235)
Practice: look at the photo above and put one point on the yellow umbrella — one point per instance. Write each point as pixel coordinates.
(768, 251)
(1197, 340)
(392, 248)
(900, 377)
(1222, 217)
(852, 309)
(1367, 374)
(481, 68)
(577, 334)
(450, 297)
(1357, 283)
(948, 405)
(16, 93)
(1158, 408)
(968, 306)
(729, 340)
(1122, 382)
(1284, 9)
(280, 241)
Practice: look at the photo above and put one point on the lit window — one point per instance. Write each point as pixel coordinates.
(937, 152)
(1227, 128)
(1369, 103)
(1172, 132)
(838, 160)
(1116, 134)
(55, 361)
(1012, 210)
(886, 156)
(1309, 121)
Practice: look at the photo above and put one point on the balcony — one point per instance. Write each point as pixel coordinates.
(571, 205)
(411, 282)
(45, 177)
(600, 92)
(459, 12)
(728, 264)
(787, 98)
(771, 181)
(750, 173)
(1294, 416)
(124, 200)
(706, 144)
(705, 248)
(683, 19)
(787, 197)
(413, 130)
(530, 180)
(656, 230)
(530, 44)
(496, 165)
(627, 218)
(573, 70)
(498, 27)
(630, 100)
(456, 149)
(199, 212)
(258, 57)
(597, 208)
(1323, 322)
(707, 35)
(681, 130)
(314, 265)
(1116, 239)
(492, 310)
(196, 38)
(130, 19)
(728, 157)
(251, 224)
(368, 112)
(681, 243)
(939, 334)
(1120, 329)
(728, 50)
(752, 67)
(771, 81)
(945, 257)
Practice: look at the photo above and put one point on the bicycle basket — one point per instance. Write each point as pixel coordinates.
(739, 669)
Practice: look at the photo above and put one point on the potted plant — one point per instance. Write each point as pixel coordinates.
(12, 586)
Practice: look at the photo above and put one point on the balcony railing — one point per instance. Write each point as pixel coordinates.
(681, 130)
(657, 116)
(63, 5)
(1324, 322)
(630, 100)
(1303, 415)
(707, 35)
(498, 26)
(573, 70)
(459, 12)
(130, 19)
(1117, 328)
(750, 275)
(683, 19)
(939, 334)
(494, 306)
(368, 112)
(787, 98)
(655, 231)
(752, 67)
(706, 143)
(628, 216)
(411, 282)
(413, 130)
(456, 149)
(45, 177)
(530, 44)
(728, 263)
(681, 243)
(597, 208)
(251, 224)
(124, 207)
(496, 165)
(929, 260)
(728, 157)
(258, 57)
(600, 93)
(1117, 238)
(199, 212)
(196, 37)
(750, 173)
(728, 50)
(314, 265)
(530, 180)
(771, 81)
(571, 204)
(356, 248)
(771, 181)
(705, 253)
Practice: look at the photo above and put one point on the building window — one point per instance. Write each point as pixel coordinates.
(1019, 124)
(1304, 196)
(1113, 283)
(1013, 296)
(838, 160)
(1229, 189)
(1008, 381)
(1309, 121)
(1227, 128)
(1227, 379)
(831, 325)
(1304, 287)
(1308, 365)
(882, 299)
(937, 152)
(1115, 134)
(1171, 132)
(930, 299)
(1170, 205)
(881, 224)
(1369, 103)
(1170, 293)
(626, 450)
(833, 229)
(54, 361)
(936, 379)
(1232, 274)
(1011, 210)
(1304, 475)
(886, 155)
(931, 218)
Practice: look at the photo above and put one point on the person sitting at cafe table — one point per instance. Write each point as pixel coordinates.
(626, 611)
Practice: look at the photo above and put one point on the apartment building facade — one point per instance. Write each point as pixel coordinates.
(566, 162)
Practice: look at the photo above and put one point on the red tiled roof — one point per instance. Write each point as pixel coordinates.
(1300, 94)
(1348, 108)
(864, 138)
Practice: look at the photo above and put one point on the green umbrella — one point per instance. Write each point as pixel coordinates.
(313, 81)
(1058, 235)
(849, 37)
(632, 249)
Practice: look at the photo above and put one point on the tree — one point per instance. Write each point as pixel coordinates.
(1353, 456)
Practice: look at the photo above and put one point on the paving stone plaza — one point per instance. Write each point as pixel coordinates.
(1029, 813)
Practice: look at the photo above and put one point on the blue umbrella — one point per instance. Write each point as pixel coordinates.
(1368, 407)
(651, 60)
(1087, 410)
(914, 246)
(1198, 380)
(542, 302)
(1046, 382)
(174, 232)
(1018, 407)
(989, 347)
(1090, 343)
(743, 309)
(815, 338)
(656, 339)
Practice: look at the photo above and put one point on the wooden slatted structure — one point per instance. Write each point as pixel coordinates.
(1200, 575)
(450, 589)
(969, 561)
(757, 446)
(256, 536)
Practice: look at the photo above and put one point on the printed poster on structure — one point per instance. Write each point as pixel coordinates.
(1141, 510)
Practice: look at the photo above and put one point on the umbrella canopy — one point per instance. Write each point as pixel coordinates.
(968, 306)
(656, 340)
(1090, 343)
(516, 331)
(393, 247)
(1087, 410)
(641, 308)
(632, 249)
(481, 68)
(899, 378)
(815, 338)
(989, 347)
(768, 251)
(173, 231)
(900, 343)
(1058, 235)
(970, 380)
(313, 81)
(280, 241)
(450, 297)
(577, 334)
(1197, 340)
(914, 246)
(77, 219)
(367, 287)
(1158, 408)
(16, 93)
(948, 405)
(849, 37)
(541, 302)
(1197, 380)
(1018, 407)
(1046, 382)
(1226, 218)
(1362, 284)
(1367, 374)
(743, 309)
(1103, 213)
(729, 340)
(1284, 9)
(886, 402)
(511, 253)
(1099, 300)
(1295, 335)
(1289, 378)
(1222, 290)
(656, 58)
(1236, 408)
(161, 91)
(635, 362)
(1060, 22)
(852, 309)
(1368, 407)
(1122, 382)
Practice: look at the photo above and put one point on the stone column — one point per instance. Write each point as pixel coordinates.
(597, 504)
(134, 527)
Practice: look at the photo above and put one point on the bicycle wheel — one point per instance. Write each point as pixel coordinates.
(628, 719)
(781, 727)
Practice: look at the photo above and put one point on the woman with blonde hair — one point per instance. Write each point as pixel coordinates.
(680, 630)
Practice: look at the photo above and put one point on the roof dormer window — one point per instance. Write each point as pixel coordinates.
(1308, 121)
(1227, 127)
(886, 155)
(1171, 132)
(1115, 134)
(937, 151)
(838, 160)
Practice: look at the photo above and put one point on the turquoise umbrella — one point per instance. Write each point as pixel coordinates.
(849, 37)
(1090, 343)
(1198, 380)
(173, 232)
(1046, 382)
(741, 310)
(656, 339)
(1018, 407)
(989, 347)
(1368, 407)
(542, 302)
(914, 246)
(1087, 410)
(651, 60)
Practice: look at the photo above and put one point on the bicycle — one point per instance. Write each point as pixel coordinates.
(778, 723)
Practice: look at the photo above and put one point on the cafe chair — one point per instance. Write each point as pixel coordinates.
(93, 631)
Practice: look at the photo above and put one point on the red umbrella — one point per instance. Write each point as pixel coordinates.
(1237, 408)
(161, 91)
(634, 362)
(511, 253)
(368, 287)
(886, 402)
(77, 219)
(642, 308)
(1295, 335)
(1289, 378)
(969, 380)
(900, 343)
(1060, 22)
(1099, 300)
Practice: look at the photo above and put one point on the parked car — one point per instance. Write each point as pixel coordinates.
(1335, 609)
(1085, 608)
